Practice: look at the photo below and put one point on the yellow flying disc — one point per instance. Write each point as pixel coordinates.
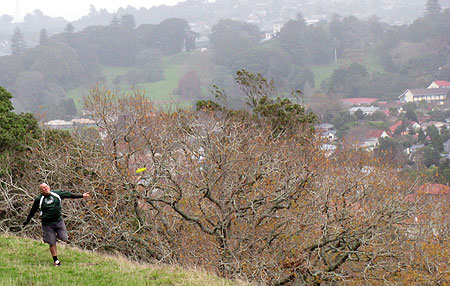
(141, 170)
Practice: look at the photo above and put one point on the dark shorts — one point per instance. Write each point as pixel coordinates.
(51, 232)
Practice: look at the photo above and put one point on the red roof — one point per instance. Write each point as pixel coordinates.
(360, 100)
(429, 189)
(395, 126)
(433, 189)
(374, 133)
(442, 83)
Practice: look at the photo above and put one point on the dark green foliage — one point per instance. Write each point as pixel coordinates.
(411, 115)
(43, 37)
(388, 147)
(115, 46)
(69, 28)
(349, 81)
(432, 8)
(300, 79)
(431, 157)
(5, 101)
(18, 44)
(230, 39)
(306, 45)
(445, 133)
(342, 118)
(410, 106)
(169, 36)
(267, 107)
(15, 129)
(421, 136)
(207, 105)
(282, 113)
(436, 139)
(69, 107)
(268, 60)
(114, 20)
(439, 115)
(379, 116)
(444, 172)
(127, 21)
(136, 76)
(359, 114)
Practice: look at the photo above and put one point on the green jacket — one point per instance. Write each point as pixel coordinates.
(50, 206)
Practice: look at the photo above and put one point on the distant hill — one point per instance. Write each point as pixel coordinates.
(27, 262)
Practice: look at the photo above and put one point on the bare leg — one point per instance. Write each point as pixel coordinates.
(53, 250)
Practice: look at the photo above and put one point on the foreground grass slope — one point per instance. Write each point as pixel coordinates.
(28, 262)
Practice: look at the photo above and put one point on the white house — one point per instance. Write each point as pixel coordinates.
(427, 94)
(372, 139)
(440, 84)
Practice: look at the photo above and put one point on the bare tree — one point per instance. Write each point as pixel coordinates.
(221, 192)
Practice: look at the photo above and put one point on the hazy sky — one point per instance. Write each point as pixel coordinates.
(73, 9)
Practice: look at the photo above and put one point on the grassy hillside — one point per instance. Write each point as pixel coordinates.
(28, 262)
(159, 92)
(321, 73)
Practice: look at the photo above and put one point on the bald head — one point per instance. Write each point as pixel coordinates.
(45, 189)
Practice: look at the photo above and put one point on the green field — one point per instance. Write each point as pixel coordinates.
(321, 73)
(159, 92)
(28, 262)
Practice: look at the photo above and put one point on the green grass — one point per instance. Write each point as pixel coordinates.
(321, 73)
(77, 95)
(159, 92)
(27, 262)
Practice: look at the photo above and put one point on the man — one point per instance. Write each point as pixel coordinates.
(49, 202)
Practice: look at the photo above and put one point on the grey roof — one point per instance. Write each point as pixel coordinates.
(429, 91)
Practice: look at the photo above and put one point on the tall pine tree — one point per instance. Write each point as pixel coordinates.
(43, 37)
(18, 44)
(432, 8)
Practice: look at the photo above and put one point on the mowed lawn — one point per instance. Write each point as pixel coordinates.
(160, 92)
(321, 73)
(28, 262)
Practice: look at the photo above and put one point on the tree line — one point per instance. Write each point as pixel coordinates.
(406, 56)
(40, 76)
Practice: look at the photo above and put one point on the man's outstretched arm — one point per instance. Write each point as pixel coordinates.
(70, 195)
(33, 210)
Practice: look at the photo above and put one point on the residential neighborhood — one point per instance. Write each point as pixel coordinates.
(406, 122)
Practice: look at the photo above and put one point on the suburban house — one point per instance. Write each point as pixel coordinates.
(372, 138)
(440, 84)
(427, 94)
(330, 135)
(394, 127)
(327, 130)
(58, 124)
(325, 126)
(414, 125)
(438, 124)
